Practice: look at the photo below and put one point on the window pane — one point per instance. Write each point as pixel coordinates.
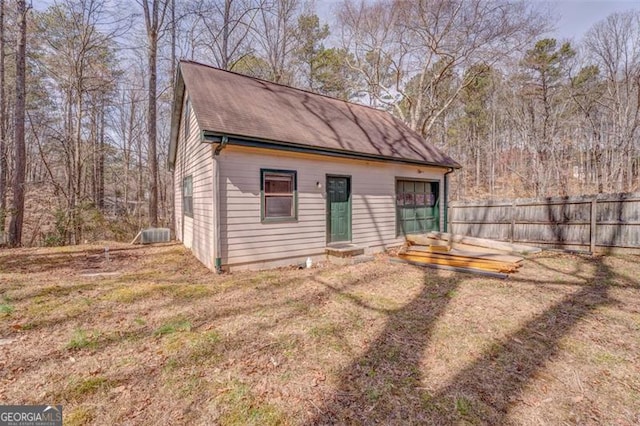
(278, 206)
(187, 186)
(278, 187)
(431, 200)
(187, 118)
(278, 184)
(408, 199)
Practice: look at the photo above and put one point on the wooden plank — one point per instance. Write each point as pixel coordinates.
(432, 248)
(136, 239)
(499, 257)
(464, 263)
(437, 249)
(457, 264)
(483, 242)
(420, 240)
(448, 256)
(452, 268)
(426, 241)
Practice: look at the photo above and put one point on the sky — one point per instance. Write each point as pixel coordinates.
(574, 17)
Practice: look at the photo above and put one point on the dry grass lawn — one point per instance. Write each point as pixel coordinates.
(152, 337)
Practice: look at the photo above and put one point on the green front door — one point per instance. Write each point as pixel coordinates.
(338, 208)
(417, 205)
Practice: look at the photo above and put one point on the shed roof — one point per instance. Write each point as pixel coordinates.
(230, 104)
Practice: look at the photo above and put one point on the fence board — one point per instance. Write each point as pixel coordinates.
(597, 223)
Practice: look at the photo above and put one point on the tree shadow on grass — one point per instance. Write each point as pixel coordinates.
(201, 312)
(15, 261)
(383, 386)
(380, 386)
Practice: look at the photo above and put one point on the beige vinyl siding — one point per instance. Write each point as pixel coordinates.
(194, 158)
(246, 240)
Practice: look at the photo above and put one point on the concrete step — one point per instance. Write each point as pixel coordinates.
(353, 260)
(344, 250)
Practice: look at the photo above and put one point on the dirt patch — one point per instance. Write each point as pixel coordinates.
(167, 341)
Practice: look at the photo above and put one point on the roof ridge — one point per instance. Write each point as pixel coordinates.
(191, 61)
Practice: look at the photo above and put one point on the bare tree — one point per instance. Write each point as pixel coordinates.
(614, 46)
(545, 95)
(17, 212)
(427, 42)
(155, 12)
(78, 61)
(276, 34)
(3, 128)
(226, 29)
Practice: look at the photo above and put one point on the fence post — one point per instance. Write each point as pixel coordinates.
(594, 205)
(512, 231)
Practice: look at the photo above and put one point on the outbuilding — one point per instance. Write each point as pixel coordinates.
(268, 175)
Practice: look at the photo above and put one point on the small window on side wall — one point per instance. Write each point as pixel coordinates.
(278, 195)
(187, 196)
(187, 118)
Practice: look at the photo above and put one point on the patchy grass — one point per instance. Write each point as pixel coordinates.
(173, 326)
(82, 339)
(463, 406)
(130, 293)
(78, 416)
(6, 309)
(167, 341)
(246, 409)
(80, 389)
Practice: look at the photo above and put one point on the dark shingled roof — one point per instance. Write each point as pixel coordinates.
(232, 104)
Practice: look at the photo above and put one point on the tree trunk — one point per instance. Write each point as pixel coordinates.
(153, 159)
(154, 18)
(94, 154)
(101, 146)
(17, 213)
(173, 43)
(225, 35)
(76, 229)
(128, 140)
(69, 156)
(140, 189)
(3, 129)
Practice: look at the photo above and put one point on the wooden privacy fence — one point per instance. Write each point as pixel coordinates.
(597, 223)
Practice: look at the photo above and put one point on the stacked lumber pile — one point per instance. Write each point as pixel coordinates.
(465, 254)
